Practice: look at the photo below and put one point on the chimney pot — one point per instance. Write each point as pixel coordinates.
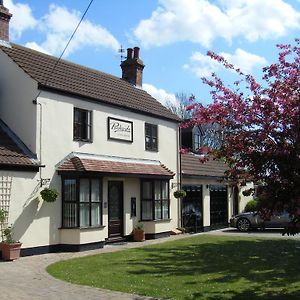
(136, 53)
(132, 67)
(129, 53)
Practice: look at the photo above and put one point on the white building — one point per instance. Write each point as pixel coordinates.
(108, 147)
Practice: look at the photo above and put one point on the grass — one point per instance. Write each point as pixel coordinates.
(201, 267)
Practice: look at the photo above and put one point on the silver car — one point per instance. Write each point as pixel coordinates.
(249, 220)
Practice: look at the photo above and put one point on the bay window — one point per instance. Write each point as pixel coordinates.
(82, 202)
(155, 200)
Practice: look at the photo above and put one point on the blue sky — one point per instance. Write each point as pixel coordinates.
(174, 36)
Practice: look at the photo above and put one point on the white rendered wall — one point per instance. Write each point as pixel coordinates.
(17, 91)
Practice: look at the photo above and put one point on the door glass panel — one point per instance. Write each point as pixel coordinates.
(84, 190)
(114, 202)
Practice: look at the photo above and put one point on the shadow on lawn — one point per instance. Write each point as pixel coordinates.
(267, 265)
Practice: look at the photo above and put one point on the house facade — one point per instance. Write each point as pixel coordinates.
(107, 147)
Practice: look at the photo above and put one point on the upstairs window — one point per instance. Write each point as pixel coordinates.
(82, 126)
(151, 139)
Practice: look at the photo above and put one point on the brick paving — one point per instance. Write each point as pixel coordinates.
(26, 277)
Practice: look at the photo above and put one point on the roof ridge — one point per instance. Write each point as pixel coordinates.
(75, 79)
(65, 61)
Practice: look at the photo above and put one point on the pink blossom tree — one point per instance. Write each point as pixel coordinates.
(261, 122)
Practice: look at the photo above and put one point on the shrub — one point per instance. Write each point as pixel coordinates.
(252, 205)
(179, 194)
(49, 195)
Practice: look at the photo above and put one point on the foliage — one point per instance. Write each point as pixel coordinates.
(262, 122)
(49, 195)
(179, 194)
(3, 216)
(6, 231)
(199, 267)
(252, 205)
(139, 226)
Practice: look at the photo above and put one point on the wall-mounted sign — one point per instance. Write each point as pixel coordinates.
(120, 130)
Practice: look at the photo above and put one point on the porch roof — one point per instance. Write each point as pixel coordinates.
(114, 166)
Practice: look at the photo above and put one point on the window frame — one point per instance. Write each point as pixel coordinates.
(78, 202)
(153, 130)
(154, 201)
(88, 125)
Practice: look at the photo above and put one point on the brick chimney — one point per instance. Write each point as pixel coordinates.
(132, 67)
(4, 22)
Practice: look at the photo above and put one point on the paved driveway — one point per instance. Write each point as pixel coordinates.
(267, 233)
(26, 277)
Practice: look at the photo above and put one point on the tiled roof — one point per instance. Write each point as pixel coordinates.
(114, 167)
(81, 81)
(192, 166)
(11, 155)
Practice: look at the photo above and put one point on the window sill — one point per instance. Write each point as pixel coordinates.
(156, 221)
(83, 141)
(152, 150)
(84, 228)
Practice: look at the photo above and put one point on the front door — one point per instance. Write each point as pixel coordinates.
(115, 209)
(218, 207)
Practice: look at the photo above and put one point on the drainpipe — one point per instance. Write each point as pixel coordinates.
(35, 102)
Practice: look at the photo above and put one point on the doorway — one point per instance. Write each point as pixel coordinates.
(115, 209)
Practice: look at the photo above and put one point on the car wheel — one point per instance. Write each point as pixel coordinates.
(243, 225)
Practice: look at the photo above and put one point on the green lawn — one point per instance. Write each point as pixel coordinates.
(200, 267)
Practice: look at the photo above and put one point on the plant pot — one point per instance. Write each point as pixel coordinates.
(10, 251)
(138, 235)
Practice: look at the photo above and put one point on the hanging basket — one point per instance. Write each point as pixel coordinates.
(49, 195)
(179, 194)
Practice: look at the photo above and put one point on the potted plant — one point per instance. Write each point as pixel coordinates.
(10, 248)
(49, 195)
(138, 232)
(179, 194)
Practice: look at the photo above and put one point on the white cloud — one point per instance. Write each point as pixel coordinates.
(160, 94)
(244, 60)
(22, 18)
(60, 23)
(35, 46)
(202, 65)
(202, 21)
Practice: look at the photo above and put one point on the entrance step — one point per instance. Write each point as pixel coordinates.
(117, 239)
